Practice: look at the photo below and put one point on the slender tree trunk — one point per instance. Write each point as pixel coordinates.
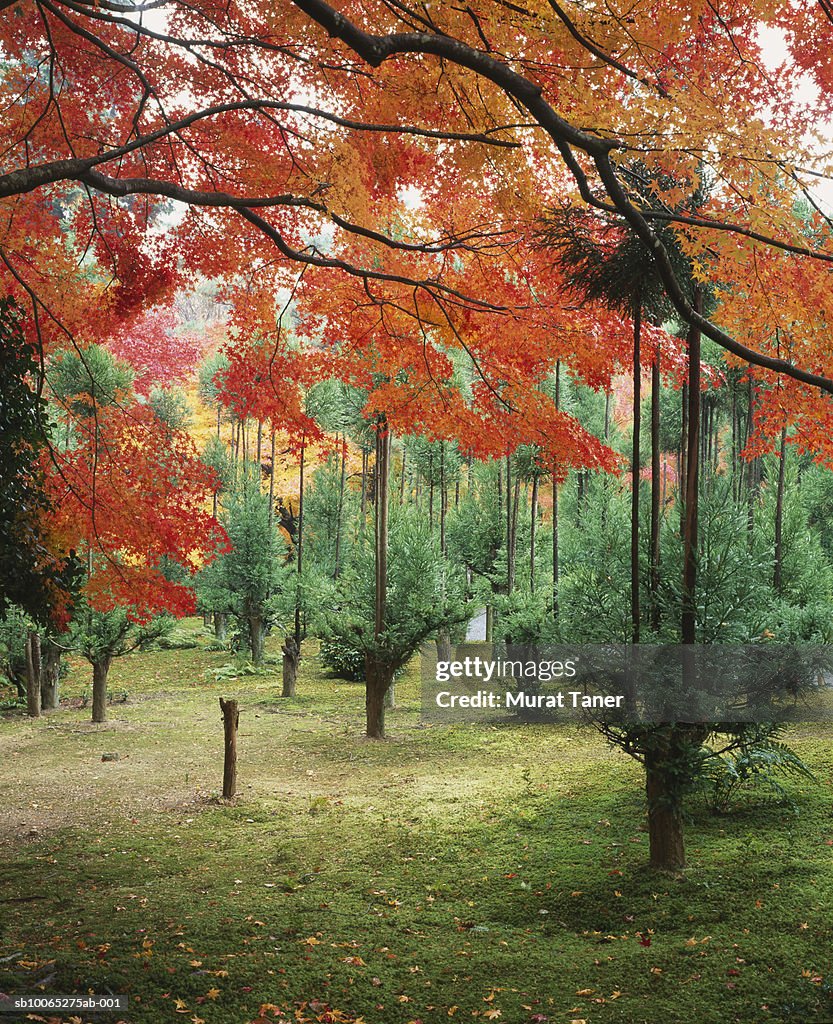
(607, 414)
(431, 491)
(533, 525)
(256, 639)
(364, 484)
(683, 475)
(378, 680)
(381, 531)
(220, 627)
(500, 494)
(513, 535)
(402, 480)
(779, 515)
(33, 675)
(656, 485)
(100, 671)
(272, 474)
(510, 566)
(555, 552)
(378, 673)
(689, 602)
(339, 525)
(490, 623)
(300, 546)
(291, 657)
(443, 643)
(219, 417)
(259, 443)
(231, 720)
(735, 488)
(442, 497)
(50, 675)
(635, 470)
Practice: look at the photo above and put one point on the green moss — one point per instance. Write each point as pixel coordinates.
(470, 867)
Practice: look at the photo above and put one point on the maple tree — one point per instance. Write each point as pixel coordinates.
(128, 495)
(327, 157)
(501, 108)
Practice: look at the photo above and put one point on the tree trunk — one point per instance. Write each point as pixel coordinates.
(379, 675)
(381, 531)
(442, 497)
(220, 627)
(49, 675)
(656, 484)
(689, 601)
(291, 657)
(256, 639)
(509, 575)
(533, 524)
(665, 819)
(635, 470)
(555, 580)
(100, 671)
(339, 522)
(607, 414)
(364, 484)
(231, 719)
(299, 547)
(443, 643)
(272, 474)
(490, 623)
(683, 471)
(513, 532)
(779, 515)
(378, 680)
(33, 675)
(390, 696)
(431, 492)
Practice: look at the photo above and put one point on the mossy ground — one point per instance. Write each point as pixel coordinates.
(448, 873)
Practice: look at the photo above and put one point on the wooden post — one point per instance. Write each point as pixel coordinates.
(231, 718)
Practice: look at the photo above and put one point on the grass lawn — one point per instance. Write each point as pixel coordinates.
(446, 874)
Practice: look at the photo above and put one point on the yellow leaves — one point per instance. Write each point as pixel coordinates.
(213, 994)
(452, 1010)
(492, 1014)
(311, 941)
(181, 1006)
(585, 991)
(195, 963)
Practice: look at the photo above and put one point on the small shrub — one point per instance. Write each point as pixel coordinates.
(344, 661)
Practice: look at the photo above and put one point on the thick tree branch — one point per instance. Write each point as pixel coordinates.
(376, 49)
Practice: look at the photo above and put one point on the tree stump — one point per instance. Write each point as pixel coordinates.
(231, 718)
(33, 675)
